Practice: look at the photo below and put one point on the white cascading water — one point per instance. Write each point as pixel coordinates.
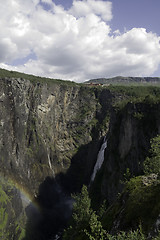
(100, 159)
(49, 163)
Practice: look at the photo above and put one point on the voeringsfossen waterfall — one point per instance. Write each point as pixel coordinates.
(100, 159)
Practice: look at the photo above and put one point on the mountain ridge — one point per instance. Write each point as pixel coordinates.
(125, 80)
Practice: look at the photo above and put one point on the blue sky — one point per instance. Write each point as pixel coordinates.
(80, 40)
(129, 14)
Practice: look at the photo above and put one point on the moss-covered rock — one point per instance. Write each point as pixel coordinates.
(12, 215)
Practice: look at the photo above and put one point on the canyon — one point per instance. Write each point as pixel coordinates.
(51, 132)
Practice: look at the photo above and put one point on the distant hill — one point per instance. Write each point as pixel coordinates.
(33, 78)
(125, 80)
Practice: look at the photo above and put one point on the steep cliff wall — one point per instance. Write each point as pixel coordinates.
(129, 136)
(44, 125)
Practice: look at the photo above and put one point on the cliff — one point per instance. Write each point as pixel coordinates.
(128, 144)
(50, 135)
(49, 129)
(43, 126)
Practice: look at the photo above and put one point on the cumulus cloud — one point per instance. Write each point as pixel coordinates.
(75, 44)
(85, 7)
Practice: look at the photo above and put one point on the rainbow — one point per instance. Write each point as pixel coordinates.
(26, 197)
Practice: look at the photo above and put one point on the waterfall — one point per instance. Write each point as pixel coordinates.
(49, 163)
(100, 159)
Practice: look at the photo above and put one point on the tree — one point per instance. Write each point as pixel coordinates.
(152, 163)
(81, 208)
(80, 216)
(96, 231)
(84, 223)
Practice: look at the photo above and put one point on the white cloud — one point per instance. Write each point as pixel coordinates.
(47, 1)
(8, 49)
(98, 7)
(75, 44)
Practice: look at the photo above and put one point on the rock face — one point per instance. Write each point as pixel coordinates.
(44, 126)
(54, 130)
(50, 129)
(130, 132)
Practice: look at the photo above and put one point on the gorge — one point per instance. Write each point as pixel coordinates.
(51, 132)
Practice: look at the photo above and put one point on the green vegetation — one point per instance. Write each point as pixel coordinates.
(142, 204)
(135, 94)
(138, 115)
(140, 199)
(84, 223)
(10, 224)
(35, 79)
(87, 224)
(131, 235)
(152, 163)
(136, 209)
(20, 231)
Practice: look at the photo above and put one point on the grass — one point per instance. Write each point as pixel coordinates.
(34, 79)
